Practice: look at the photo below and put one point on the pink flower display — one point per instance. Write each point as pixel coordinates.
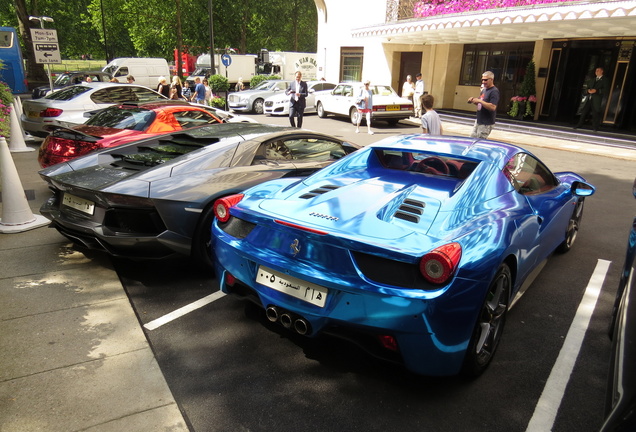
(428, 8)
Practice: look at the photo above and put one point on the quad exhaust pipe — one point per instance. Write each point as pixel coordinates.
(288, 320)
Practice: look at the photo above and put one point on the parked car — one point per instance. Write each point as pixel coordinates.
(120, 124)
(387, 105)
(279, 103)
(70, 78)
(227, 116)
(66, 107)
(413, 247)
(252, 100)
(621, 381)
(153, 198)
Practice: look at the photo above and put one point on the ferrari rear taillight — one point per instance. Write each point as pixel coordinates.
(222, 206)
(51, 112)
(69, 148)
(439, 265)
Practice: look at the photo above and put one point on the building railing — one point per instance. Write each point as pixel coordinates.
(398, 10)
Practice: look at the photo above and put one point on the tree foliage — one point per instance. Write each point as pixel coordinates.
(146, 28)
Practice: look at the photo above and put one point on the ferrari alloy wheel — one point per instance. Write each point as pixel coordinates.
(321, 110)
(258, 106)
(490, 324)
(573, 228)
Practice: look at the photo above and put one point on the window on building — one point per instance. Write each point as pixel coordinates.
(507, 61)
(351, 63)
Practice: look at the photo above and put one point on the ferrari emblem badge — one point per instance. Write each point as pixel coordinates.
(295, 247)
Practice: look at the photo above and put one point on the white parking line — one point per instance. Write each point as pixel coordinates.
(545, 412)
(154, 324)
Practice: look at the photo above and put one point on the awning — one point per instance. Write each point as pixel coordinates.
(545, 21)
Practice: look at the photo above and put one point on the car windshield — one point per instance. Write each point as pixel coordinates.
(137, 119)
(201, 72)
(427, 163)
(62, 80)
(68, 93)
(265, 85)
(110, 70)
(382, 90)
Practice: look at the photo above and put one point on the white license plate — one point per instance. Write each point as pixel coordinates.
(81, 204)
(311, 293)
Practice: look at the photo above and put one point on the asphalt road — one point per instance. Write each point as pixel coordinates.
(231, 370)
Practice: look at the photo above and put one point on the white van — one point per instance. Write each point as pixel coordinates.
(145, 70)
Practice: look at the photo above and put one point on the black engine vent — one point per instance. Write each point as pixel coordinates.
(410, 210)
(319, 191)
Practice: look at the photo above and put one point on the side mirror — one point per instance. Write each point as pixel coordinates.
(582, 189)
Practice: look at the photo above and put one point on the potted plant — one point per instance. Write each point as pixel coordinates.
(523, 104)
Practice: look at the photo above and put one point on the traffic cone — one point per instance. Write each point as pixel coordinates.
(17, 103)
(16, 142)
(16, 214)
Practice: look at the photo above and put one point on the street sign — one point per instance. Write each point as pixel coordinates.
(226, 60)
(44, 35)
(45, 46)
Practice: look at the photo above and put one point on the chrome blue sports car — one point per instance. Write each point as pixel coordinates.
(414, 247)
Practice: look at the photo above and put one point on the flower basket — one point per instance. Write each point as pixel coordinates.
(522, 107)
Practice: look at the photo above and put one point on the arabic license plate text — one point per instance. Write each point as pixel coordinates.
(77, 203)
(292, 286)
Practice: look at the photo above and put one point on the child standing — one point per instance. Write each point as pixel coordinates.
(431, 123)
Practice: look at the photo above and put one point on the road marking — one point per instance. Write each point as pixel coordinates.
(545, 412)
(154, 324)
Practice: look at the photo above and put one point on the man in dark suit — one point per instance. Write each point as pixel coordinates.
(597, 89)
(297, 91)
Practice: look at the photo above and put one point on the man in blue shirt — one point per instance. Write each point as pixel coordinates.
(199, 91)
(486, 106)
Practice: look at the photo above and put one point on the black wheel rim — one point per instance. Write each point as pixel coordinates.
(492, 317)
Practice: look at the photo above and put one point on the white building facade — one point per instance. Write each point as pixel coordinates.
(385, 40)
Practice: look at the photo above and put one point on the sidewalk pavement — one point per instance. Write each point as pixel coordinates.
(525, 139)
(73, 356)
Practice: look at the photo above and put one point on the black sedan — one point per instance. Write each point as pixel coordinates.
(153, 198)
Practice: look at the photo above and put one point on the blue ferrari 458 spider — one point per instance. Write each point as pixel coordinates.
(414, 247)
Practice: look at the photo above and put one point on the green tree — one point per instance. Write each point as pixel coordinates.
(145, 28)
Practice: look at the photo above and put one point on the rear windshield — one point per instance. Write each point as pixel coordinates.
(137, 119)
(67, 93)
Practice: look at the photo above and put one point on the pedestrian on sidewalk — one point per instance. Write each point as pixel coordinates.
(297, 92)
(417, 95)
(486, 106)
(364, 104)
(595, 89)
(431, 123)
